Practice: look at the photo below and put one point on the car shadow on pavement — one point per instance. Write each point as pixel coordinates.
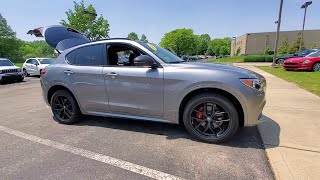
(246, 137)
(269, 132)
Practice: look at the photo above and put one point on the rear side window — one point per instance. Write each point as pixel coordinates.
(87, 56)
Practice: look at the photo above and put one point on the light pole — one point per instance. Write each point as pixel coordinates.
(305, 7)
(277, 36)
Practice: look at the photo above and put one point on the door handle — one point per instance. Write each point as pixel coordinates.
(68, 72)
(112, 74)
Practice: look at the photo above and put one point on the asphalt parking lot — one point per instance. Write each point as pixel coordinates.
(34, 146)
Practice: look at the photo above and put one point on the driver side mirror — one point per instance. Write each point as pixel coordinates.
(145, 60)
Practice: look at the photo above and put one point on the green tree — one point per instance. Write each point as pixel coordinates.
(143, 38)
(284, 47)
(9, 44)
(83, 19)
(36, 49)
(314, 46)
(220, 47)
(295, 45)
(203, 41)
(182, 41)
(266, 50)
(133, 36)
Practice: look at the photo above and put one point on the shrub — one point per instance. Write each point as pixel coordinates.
(258, 58)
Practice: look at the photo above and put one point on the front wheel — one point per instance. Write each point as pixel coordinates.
(64, 107)
(211, 118)
(316, 67)
(25, 73)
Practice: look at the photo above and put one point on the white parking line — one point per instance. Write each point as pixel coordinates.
(94, 156)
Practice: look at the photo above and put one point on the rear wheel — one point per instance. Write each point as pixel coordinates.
(64, 107)
(316, 67)
(211, 118)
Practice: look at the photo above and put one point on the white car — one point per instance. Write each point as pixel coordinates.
(9, 72)
(34, 66)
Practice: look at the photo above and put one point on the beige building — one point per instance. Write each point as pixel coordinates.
(255, 43)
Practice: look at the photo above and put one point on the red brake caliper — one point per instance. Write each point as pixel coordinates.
(199, 115)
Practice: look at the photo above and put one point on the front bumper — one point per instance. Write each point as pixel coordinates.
(11, 77)
(296, 67)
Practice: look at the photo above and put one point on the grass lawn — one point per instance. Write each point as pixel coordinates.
(18, 64)
(307, 80)
(234, 59)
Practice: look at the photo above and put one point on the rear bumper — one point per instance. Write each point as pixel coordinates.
(11, 77)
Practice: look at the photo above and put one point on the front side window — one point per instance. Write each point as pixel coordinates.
(87, 56)
(119, 54)
(163, 54)
(33, 61)
(305, 52)
(6, 62)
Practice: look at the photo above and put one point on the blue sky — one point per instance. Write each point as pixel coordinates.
(224, 18)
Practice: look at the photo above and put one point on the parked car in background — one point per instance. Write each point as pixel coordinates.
(302, 53)
(310, 62)
(211, 100)
(34, 66)
(9, 71)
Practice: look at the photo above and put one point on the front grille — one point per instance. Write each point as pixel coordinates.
(9, 71)
(291, 64)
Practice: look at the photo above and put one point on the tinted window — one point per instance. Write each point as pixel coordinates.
(28, 61)
(71, 57)
(87, 56)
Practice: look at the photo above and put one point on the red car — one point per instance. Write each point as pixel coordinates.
(310, 62)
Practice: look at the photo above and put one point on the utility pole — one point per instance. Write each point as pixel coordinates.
(277, 36)
(305, 7)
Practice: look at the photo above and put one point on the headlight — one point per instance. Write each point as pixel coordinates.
(253, 83)
(306, 61)
(19, 70)
(0, 71)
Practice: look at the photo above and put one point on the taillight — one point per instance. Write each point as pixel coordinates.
(43, 72)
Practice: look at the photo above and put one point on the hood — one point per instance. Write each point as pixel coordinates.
(244, 73)
(286, 56)
(8, 67)
(301, 59)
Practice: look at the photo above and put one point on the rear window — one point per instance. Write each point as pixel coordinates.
(87, 56)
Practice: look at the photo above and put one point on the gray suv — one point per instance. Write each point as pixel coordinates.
(211, 100)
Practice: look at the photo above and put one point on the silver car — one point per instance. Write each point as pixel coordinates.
(211, 100)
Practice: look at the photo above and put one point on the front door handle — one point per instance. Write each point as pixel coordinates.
(68, 72)
(112, 74)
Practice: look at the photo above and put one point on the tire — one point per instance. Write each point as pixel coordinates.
(64, 107)
(316, 67)
(280, 62)
(21, 79)
(25, 73)
(219, 103)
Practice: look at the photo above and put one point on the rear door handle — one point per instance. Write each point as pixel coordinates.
(112, 74)
(68, 72)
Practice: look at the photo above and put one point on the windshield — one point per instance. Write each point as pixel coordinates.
(6, 63)
(46, 61)
(305, 52)
(163, 54)
(314, 54)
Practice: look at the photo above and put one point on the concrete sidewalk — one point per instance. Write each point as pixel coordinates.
(291, 134)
